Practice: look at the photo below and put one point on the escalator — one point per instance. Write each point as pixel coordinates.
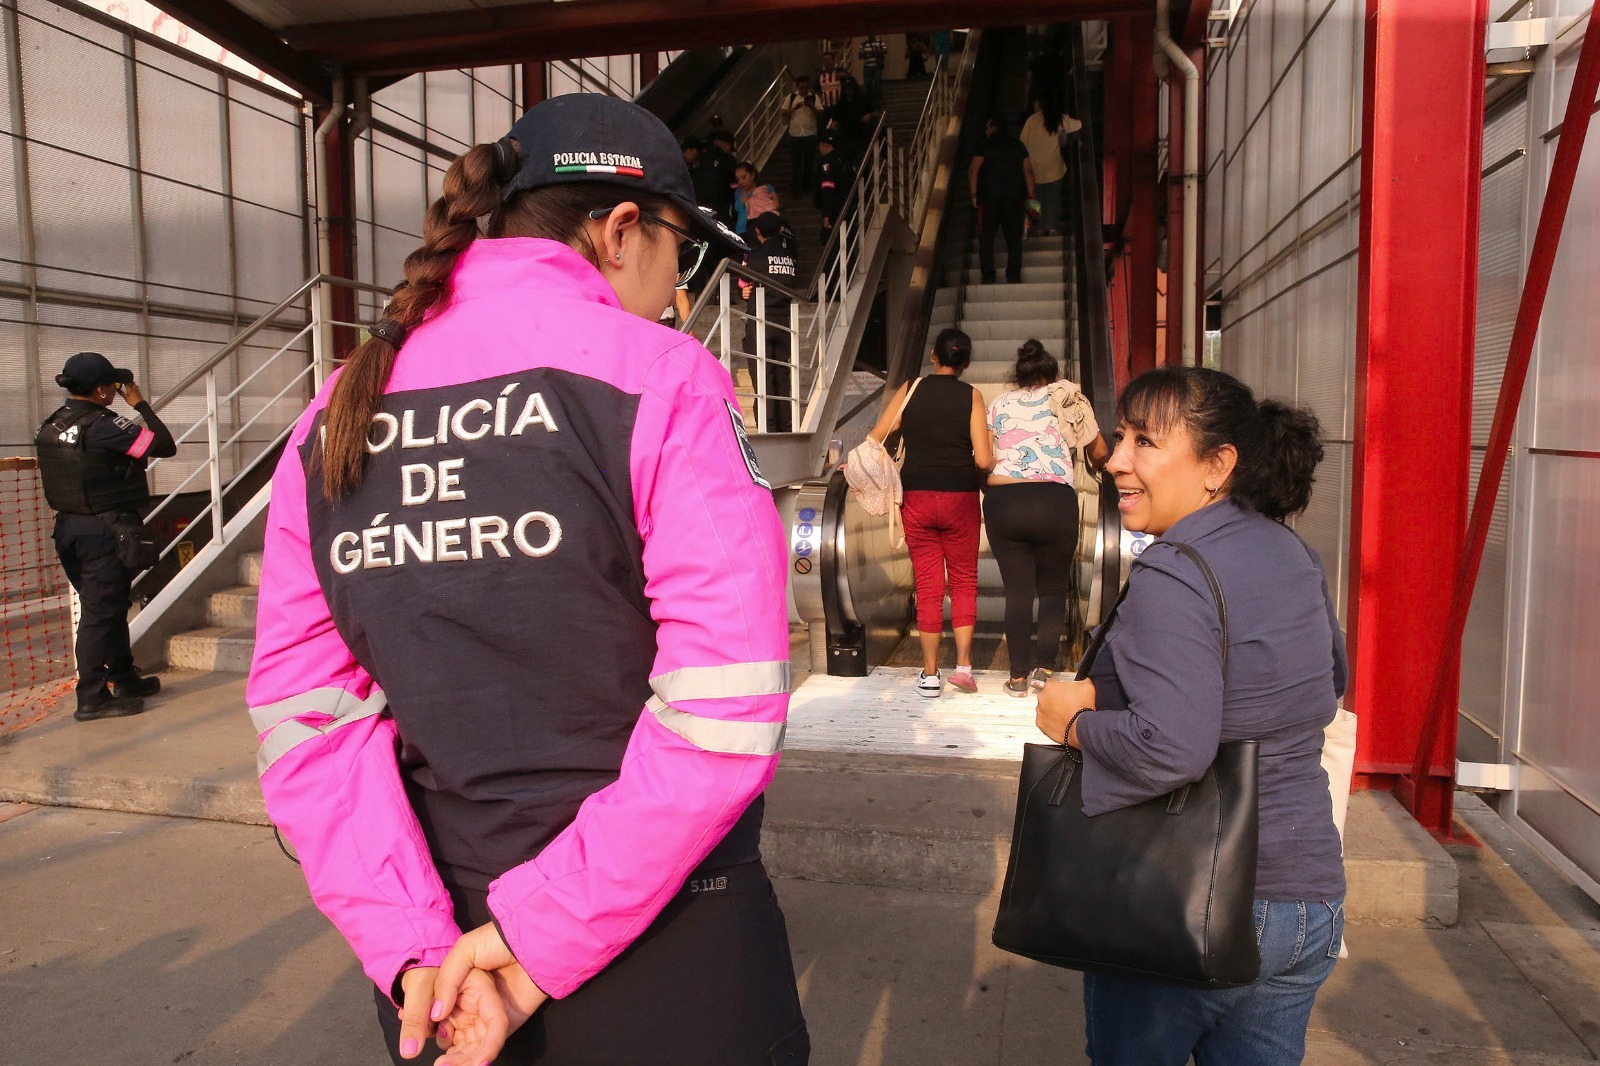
(850, 578)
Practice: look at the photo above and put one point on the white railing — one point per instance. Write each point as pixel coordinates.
(763, 129)
(736, 328)
(298, 367)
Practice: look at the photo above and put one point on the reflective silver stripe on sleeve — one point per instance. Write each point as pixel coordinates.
(716, 734)
(719, 682)
(284, 733)
(330, 700)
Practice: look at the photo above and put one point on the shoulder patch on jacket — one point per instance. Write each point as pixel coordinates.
(746, 447)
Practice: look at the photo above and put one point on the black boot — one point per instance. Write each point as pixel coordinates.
(136, 686)
(105, 705)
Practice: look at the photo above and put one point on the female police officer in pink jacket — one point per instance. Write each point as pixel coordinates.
(522, 655)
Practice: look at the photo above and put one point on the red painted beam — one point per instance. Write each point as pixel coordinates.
(533, 85)
(1421, 151)
(250, 40)
(1541, 262)
(535, 31)
(1144, 180)
(1172, 350)
(1192, 34)
(341, 228)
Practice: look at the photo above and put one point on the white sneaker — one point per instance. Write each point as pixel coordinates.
(928, 686)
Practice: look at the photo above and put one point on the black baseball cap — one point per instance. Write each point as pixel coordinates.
(767, 223)
(592, 137)
(87, 370)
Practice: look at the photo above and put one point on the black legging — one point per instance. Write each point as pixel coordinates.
(1033, 533)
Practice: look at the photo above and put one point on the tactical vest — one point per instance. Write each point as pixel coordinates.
(83, 480)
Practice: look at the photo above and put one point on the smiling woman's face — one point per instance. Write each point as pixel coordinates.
(1160, 479)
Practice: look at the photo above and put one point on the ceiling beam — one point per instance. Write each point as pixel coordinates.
(542, 31)
(254, 43)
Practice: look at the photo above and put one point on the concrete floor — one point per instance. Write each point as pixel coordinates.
(150, 940)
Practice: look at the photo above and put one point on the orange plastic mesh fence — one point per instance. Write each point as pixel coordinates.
(35, 603)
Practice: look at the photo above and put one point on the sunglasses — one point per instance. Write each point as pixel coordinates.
(691, 250)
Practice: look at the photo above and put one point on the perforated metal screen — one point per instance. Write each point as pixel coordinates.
(151, 205)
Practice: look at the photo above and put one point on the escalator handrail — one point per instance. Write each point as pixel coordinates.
(1099, 377)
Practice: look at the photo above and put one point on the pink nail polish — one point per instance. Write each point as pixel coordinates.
(408, 1047)
(438, 1010)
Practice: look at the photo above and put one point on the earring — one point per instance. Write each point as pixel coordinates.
(1211, 489)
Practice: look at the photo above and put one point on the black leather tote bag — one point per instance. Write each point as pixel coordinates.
(1163, 889)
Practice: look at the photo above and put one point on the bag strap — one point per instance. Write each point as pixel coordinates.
(1216, 594)
(899, 452)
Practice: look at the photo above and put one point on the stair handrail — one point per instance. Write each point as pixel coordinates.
(306, 378)
(762, 130)
(885, 181)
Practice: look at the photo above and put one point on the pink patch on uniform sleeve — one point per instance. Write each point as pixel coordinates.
(141, 444)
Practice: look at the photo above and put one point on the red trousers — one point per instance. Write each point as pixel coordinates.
(942, 537)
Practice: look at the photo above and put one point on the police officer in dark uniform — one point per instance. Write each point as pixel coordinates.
(92, 463)
(833, 181)
(773, 258)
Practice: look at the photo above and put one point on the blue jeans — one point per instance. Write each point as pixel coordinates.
(1135, 1022)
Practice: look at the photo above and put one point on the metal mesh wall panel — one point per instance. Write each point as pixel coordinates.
(133, 159)
(1567, 390)
(83, 222)
(179, 137)
(494, 106)
(1291, 124)
(74, 81)
(267, 144)
(16, 436)
(186, 245)
(449, 109)
(1561, 672)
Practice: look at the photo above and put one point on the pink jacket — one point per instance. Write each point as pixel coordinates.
(543, 648)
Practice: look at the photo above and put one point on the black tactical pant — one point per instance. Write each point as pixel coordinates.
(1003, 216)
(88, 551)
(709, 983)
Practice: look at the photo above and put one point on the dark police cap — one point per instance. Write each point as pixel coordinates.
(88, 370)
(591, 137)
(767, 223)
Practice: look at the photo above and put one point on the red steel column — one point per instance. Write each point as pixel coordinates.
(532, 85)
(1144, 175)
(1172, 313)
(341, 227)
(1421, 151)
(649, 67)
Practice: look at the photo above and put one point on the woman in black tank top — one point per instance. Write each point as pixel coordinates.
(946, 431)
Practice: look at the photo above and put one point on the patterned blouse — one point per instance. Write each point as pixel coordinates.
(1028, 442)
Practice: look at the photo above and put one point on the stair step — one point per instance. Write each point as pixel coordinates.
(1004, 349)
(222, 648)
(1022, 326)
(1030, 274)
(250, 568)
(1001, 310)
(235, 607)
(1006, 292)
(1031, 255)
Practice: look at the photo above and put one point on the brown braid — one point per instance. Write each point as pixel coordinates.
(470, 192)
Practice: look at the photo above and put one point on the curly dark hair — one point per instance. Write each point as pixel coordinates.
(1279, 445)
